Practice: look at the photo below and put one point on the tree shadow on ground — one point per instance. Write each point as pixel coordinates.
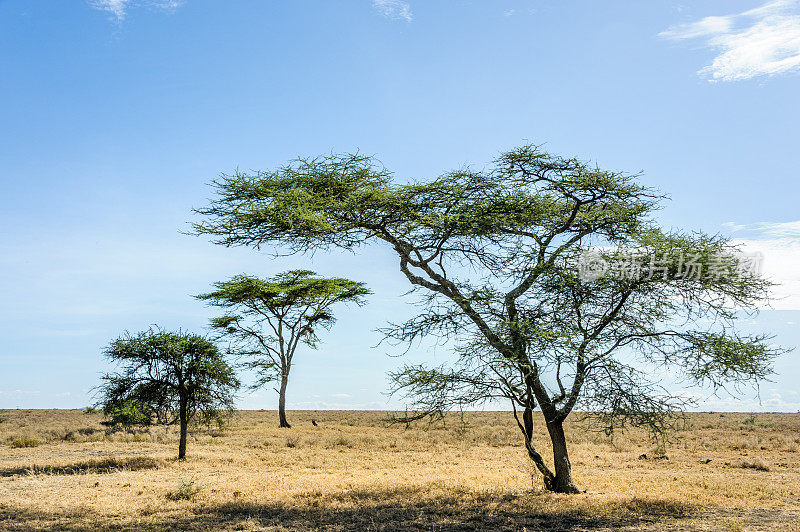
(105, 465)
(401, 509)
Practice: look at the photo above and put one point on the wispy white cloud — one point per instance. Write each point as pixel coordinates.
(118, 9)
(772, 229)
(764, 41)
(767, 400)
(18, 393)
(781, 229)
(779, 244)
(394, 9)
(115, 7)
(781, 265)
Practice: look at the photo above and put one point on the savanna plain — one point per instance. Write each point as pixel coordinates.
(64, 470)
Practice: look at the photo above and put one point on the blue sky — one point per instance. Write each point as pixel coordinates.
(115, 114)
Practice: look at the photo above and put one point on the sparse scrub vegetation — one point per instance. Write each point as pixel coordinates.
(341, 440)
(186, 491)
(755, 463)
(733, 525)
(25, 442)
(753, 421)
(83, 435)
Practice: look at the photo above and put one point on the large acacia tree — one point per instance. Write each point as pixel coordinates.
(492, 255)
(172, 376)
(269, 318)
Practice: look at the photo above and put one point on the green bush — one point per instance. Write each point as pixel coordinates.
(25, 442)
(130, 413)
(749, 420)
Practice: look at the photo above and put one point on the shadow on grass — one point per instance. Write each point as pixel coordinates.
(105, 465)
(400, 509)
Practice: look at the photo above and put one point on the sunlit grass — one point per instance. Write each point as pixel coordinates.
(353, 471)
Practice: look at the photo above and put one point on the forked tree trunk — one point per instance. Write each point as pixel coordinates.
(562, 482)
(282, 402)
(184, 420)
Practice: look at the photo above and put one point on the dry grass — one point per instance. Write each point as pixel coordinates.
(353, 472)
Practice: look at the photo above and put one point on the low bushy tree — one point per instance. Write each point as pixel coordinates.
(128, 412)
(170, 377)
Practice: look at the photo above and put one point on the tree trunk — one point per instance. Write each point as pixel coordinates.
(184, 419)
(533, 454)
(562, 481)
(282, 402)
(559, 480)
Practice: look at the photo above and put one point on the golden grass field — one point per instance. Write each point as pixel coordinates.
(61, 470)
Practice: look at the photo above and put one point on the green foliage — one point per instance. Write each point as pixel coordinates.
(129, 412)
(271, 317)
(19, 443)
(285, 290)
(162, 375)
(346, 200)
(716, 357)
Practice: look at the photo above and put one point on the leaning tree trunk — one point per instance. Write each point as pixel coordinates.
(184, 420)
(562, 481)
(282, 402)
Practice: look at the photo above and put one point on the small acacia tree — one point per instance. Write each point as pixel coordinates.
(271, 317)
(489, 253)
(172, 376)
